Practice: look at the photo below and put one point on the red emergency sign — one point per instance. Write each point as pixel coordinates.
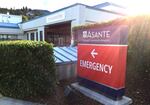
(103, 64)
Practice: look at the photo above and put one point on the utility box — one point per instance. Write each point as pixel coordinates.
(66, 62)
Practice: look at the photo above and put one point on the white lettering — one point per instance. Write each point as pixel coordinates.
(96, 66)
(100, 34)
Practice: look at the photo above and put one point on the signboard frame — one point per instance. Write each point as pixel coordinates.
(117, 37)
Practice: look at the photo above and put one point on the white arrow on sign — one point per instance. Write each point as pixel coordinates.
(93, 53)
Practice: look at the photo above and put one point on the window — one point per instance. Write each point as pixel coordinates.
(41, 35)
(27, 36)
(60, 41)
(32, 36)
(37, 36)
(8, 37)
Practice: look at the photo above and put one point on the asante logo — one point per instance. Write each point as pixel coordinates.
(95, 34)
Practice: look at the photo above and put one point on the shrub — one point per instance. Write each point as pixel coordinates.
(139, 49)
(26, 69)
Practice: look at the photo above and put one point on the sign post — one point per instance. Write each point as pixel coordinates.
(102, 59)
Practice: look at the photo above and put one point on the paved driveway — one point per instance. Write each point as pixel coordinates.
(11, 101)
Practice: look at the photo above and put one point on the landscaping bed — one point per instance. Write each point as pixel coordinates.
(58, 97)
(134, 89)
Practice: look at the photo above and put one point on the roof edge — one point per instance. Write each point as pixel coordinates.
(55, 11)
(117, 13)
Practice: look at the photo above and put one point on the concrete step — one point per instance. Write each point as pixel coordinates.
(99, 97)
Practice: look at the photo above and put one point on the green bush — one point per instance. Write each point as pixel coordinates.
(26, 69)
(138, 63)
(139, 43)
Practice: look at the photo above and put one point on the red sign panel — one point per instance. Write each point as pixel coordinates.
(103, 64)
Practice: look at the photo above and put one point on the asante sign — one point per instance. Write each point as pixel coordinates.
(102, 66)
(103, 35)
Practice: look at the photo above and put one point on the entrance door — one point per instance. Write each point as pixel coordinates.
(58, 34)
(60, 41)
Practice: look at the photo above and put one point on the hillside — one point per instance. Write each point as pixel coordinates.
(26, 12)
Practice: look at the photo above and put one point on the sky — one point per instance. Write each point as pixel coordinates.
(52, 5)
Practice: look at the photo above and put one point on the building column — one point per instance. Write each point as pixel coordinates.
(42, 36)
(29, 36)
(73, 23)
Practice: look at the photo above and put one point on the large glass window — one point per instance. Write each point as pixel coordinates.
(27, 36)
(37, 36)
(8, 37)
(41, 35)
(32, 36)
(58, 34)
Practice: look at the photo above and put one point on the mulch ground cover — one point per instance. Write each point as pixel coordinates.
(137, 89)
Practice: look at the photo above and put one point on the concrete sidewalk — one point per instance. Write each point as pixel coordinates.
(11, 101)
